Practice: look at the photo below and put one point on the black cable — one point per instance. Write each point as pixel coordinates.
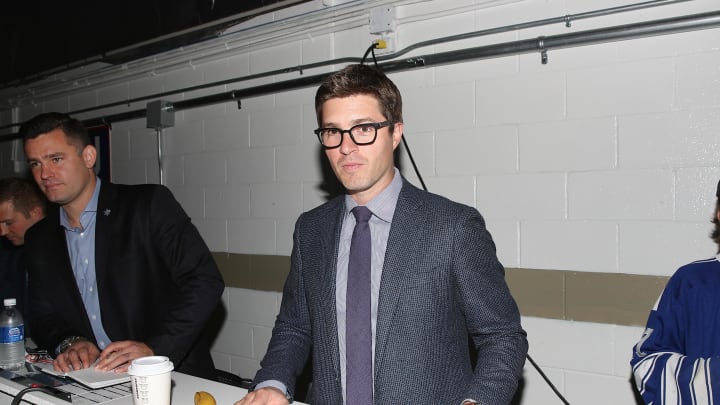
(417, 172)
(547, 380)
(412, 160)
(19, 395)
(539, 370)
(371, 49)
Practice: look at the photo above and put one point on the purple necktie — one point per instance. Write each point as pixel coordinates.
(358, 332)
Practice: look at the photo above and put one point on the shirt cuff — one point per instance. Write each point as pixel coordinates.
(274, 384)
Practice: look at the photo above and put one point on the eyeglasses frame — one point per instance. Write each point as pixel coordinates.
(376, 125)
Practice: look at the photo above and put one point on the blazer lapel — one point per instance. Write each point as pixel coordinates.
(103, 224)
(400, 247)
(329, 242)
(58, 257)
(58, 252)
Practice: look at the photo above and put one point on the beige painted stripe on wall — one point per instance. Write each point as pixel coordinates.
(613, 298)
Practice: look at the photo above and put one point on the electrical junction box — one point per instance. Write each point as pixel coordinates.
(160, 114)
(382, 20)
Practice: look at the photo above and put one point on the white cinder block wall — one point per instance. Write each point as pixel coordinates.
(603, 160)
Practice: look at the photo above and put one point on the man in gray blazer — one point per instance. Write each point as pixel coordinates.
(437, 287)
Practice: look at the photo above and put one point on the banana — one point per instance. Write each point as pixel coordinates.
(204, 398)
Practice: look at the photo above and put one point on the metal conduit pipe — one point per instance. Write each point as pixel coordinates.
(541, 44)
(590, 37)
(566, 19)
(212, 25)
(247, 39)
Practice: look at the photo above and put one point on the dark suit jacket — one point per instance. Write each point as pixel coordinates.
(441, 282)
(157, 281)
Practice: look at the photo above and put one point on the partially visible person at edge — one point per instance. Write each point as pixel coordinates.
(677, 360)
(436, 283)
(116, 271)
(22, 204)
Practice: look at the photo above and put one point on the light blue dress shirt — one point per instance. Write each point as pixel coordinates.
(81, 247)
(383, 208)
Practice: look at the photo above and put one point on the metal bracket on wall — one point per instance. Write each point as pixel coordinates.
(160, 114)
(543, 51)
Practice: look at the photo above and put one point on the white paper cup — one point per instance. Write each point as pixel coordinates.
(150, 378)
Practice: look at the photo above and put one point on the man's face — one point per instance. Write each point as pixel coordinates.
(62, 173)
(364, 170)
(14, 223)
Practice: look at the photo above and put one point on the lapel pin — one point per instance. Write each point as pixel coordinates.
(107, 212)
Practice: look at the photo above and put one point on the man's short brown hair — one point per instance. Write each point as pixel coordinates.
(23, 193)
(355, 80)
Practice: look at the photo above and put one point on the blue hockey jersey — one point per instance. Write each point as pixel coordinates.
(677, 360)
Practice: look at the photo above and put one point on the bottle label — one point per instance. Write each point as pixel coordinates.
(12, 334)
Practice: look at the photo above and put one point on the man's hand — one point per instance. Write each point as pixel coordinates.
(264, 396)
(80, 355)
(117, 356)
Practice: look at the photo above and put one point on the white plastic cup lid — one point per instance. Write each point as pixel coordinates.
(150, 365)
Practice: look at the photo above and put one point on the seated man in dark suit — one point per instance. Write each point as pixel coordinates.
(21, 206)
(116, 272)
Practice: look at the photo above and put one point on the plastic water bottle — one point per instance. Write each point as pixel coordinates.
(12, 336)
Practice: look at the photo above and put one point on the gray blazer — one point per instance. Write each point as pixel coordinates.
(441, 285)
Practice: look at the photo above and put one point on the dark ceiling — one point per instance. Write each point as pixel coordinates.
(38, 37)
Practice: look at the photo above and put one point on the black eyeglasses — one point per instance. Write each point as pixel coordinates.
(361, 134)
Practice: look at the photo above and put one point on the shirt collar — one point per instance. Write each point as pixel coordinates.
(383, 205)
(90, 207)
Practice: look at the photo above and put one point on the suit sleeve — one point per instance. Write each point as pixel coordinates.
(291, 340)
(492, 316)
(663, 372)
(195, 276)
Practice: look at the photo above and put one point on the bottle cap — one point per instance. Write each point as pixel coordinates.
(9, 302)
